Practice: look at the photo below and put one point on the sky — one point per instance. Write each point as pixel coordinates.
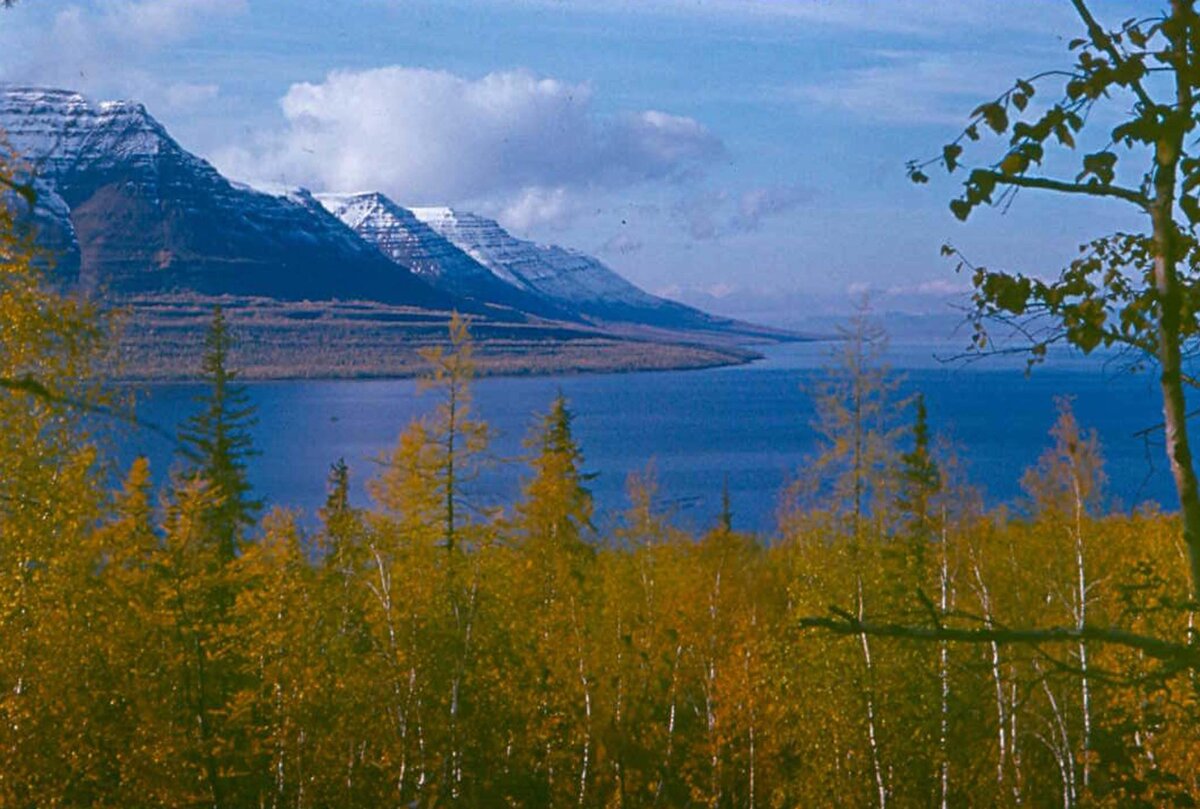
(744, 155)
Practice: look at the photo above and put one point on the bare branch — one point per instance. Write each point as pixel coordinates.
(32, 387)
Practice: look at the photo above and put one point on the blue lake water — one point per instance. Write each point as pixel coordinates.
(749, 424)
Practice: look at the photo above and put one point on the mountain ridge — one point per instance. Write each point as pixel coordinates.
(133, 216)
(146, 215)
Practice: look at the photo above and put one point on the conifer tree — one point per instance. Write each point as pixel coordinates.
(552, 524)
(557, 507)
(459, 439)
(725, 517)
(342, 523)
(217, 443)
(855, 467)
(920, 478)
(855, 404)
(432, 526)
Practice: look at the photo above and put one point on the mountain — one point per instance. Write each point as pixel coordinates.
(128, 212)
(132, 212)
(405, 239)
(567, 277)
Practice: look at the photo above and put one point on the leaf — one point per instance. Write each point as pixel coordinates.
(1020, 101)
(995, 116)
(1191, 208)
(1190, 167)
(1013, 163)
(950, 155)
(918, 176)
(961, 209)
(1101, 165)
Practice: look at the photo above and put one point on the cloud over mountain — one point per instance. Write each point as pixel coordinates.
(511, 138)
(101, 47)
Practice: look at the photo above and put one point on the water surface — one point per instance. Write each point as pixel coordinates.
(748, 424)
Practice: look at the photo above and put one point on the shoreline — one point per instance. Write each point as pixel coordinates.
(164, 343)
(140, 365)
(483, 372)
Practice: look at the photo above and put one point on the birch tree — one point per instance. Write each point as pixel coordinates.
(1136, 291)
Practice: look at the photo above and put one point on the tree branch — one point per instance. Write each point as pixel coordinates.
(847, 624)
(1049, 184)
(1104, 42)
(32, 387)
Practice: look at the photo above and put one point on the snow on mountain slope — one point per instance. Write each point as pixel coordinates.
(549, 270)
(565, 276)
(131, 211)
(405, 239)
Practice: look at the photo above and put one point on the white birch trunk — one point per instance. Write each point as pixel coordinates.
(872, 736)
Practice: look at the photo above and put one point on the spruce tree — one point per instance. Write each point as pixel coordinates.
(725, 518)
(216, 442)
(920, 478)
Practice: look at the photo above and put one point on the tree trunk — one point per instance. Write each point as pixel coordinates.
(872, 735)
(1166, 282)
(944, 676)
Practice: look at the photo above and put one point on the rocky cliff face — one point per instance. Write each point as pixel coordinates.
(131, 211)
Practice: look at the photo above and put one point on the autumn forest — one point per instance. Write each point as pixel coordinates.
(179, 647)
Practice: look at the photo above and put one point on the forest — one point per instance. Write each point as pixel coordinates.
(181, 647)
(893, 642)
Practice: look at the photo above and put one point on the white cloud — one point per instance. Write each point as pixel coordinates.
(520, 142)
(934, 288)
(149, 23)
(99, 48)
(927, 18)
(758, 204)
(808, 308)
(622, 244)
(916, 87)
(714, 214)
(186, 95)
(534, 206)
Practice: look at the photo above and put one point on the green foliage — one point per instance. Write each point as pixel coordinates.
(1109, 296)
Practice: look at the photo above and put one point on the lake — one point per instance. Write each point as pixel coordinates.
(748, 424)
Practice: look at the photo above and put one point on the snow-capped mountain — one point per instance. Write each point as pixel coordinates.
(567, 277)
(402, 237)
(549, 270)
(128, 211)
(131, 211)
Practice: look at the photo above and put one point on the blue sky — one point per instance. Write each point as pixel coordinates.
(743, 154)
